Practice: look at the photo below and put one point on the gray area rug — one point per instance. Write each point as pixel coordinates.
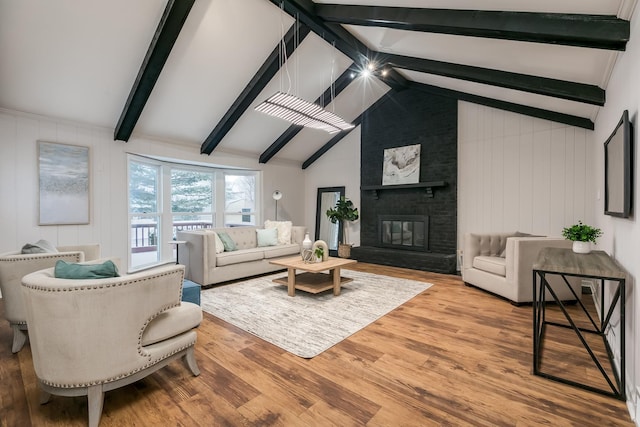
(306, 325)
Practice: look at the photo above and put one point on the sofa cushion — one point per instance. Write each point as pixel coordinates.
(172, 322)
(491, 264)
(267, 236)
(227, 242)
(236, 257)
(284, 230)
(281, 250)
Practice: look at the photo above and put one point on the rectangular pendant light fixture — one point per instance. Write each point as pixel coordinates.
(303, 113)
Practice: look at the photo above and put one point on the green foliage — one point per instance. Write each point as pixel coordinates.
(581, 233)
(343, 211)
(319, 252)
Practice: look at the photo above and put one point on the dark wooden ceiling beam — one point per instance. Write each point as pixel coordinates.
(338, 137)
(259, 81)
(333, 91)
(526, 110)
(174, 16)
(592, 31)
(572, 91)
(347, 43)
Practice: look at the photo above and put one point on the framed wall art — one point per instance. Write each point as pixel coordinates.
(63, 183)
(401, 165)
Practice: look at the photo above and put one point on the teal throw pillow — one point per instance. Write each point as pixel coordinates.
(69, 270)
(227, 242)
(267, 237)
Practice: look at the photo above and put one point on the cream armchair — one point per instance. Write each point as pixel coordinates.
(502, 263)
(91, 336)
(14, 265)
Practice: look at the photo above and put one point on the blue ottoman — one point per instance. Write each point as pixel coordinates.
(191, 292)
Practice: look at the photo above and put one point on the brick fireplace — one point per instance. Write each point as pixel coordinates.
(411, 226)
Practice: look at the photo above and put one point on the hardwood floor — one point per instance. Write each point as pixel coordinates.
(452, 356)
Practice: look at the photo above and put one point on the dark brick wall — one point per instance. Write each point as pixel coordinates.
(406, 118)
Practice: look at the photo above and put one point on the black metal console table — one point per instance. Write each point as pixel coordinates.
(596, 265)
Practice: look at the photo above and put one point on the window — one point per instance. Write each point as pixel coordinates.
(144, 213)
(240, 199)
(192, 196)
(166, 197)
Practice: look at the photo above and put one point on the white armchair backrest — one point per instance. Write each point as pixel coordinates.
(89, 331)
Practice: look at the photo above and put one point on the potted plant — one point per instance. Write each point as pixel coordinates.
(319, 253)
(343, 212)
(582, 236)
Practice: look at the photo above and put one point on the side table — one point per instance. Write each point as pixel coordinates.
(595, 265)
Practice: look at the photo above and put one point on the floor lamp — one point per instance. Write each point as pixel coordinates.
(277, 195)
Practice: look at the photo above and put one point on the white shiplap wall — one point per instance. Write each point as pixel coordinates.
(518, 173)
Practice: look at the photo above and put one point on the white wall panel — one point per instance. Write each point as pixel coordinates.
(337, 167)
(518, 173)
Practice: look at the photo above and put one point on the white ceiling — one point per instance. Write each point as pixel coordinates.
(78, 60)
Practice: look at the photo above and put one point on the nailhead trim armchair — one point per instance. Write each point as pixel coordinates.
(92, 336)
(14, 265)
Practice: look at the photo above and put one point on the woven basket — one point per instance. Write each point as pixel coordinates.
(344, 251)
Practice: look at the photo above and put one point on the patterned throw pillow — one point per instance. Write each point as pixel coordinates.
(284, 230)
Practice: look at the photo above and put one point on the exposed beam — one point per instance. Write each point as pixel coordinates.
(174, 16)
(344, 41)
(526, 110)
(338, 137)
(259, 81)
(340, 84)
(593, 31)
(579, 92)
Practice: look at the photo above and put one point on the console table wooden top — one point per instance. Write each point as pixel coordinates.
(565, 261)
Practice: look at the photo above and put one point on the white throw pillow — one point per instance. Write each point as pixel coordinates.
(284, 230)
(267, 236)
(219, 244)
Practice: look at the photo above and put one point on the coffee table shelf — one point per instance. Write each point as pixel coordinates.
(314, 283)
(314, 280)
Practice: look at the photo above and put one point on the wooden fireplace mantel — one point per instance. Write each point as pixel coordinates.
(428, 186)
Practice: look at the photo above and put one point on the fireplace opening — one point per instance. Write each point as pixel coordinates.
(408, 232)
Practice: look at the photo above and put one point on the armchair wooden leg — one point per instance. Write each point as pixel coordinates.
(190, 359)
(95, 397)
(44, 397)
(19, 338)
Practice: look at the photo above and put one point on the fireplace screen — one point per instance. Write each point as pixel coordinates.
(404, 232)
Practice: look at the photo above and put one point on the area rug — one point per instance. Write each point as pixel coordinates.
(306, 325)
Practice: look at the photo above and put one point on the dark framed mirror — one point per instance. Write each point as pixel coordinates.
(618, 169)
(325, 229)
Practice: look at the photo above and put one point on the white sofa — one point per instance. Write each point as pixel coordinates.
(502, 263)
(206, 267)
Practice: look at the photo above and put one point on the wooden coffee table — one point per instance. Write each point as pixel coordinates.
(313, 279)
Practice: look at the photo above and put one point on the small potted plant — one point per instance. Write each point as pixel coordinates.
(319, 253)
(582, 236)
(343, 212)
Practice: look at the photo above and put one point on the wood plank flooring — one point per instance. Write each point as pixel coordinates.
(452, 356)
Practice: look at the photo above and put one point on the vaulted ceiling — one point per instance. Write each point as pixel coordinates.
(194, 70)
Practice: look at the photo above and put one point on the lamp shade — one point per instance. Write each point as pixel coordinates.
(277, 195)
